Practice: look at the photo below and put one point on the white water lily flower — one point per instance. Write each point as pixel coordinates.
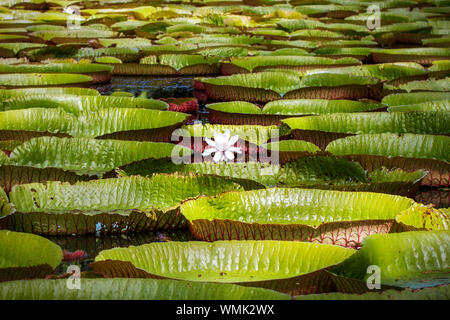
(222, 147)
(68, 10)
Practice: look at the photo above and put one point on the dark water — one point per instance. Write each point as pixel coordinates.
(92, 245)
(169, 87)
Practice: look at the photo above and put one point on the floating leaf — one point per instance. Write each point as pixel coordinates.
(334, 217)
(85, 156)
(287, 266)
(132, 289)
(26, 256)
(414, 259)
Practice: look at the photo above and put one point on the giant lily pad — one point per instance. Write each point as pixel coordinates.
(429, 106)
(408, 152)
(74, 103)
(27, 256)
(110, 123)
(73, 35)
(85, 156)
(400, 99)
(323, 129)
(129, 124)
(17, 93)
(434, 293)
(355, 52)
(171, 64)
(10, 50)
(116, 205)
(132, 289)
(307, 171)
(441, 85)
(124, 54)
(425, 218)
(300, 63)
(241, 112)
(413, 259)
(14, 80)
(287, 266)
(99, 73)
(274, 85)
(335, 217)
(392, 72)
(420, 55)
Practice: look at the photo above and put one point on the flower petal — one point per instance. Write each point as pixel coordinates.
(217, 136)
(218, 157)
(235, 149)
(220, 139)
(210, 142)
(233, 140)
(229, 155)
(208, 151)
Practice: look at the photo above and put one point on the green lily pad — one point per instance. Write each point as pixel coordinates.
(434, 293)
(27, 256)
(132, 289)
(119, 205)
(407, 151)
(85, 156)
(286, 266)
(413, 259)
(294, 214)
(14, 80)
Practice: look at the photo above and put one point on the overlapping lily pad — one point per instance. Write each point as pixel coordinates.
(433, 293)
(287, 266)
(17, 93)
(407, 151)
(395, 73)
(110, 123)
(441, 85)
(335, 217)
(132, 289)
(241, 112)
(99, 73)
(424, 56)
(401, 99)
(83, 156)
(30, 80)
(425, 218)
(415, 259)
(304, 169)
(170, 64)
(323, 129)
(274, 85)
(26, 256)
(75, 102)
(117, 205)
(300, 63)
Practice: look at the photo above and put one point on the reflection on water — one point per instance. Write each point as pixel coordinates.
(173, 87)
